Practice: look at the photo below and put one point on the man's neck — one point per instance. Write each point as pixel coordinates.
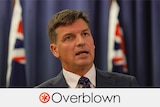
(79, 70)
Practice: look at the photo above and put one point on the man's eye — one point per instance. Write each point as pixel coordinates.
(85, 34)
(68, 38)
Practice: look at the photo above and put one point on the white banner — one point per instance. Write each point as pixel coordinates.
(60, 97)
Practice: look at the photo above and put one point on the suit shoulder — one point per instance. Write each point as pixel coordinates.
(47, 83)
(120, 79)
(115, 74)
(55, 82)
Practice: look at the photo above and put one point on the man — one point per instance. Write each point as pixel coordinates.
(71, 41)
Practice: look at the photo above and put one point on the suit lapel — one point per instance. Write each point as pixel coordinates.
(104, 79)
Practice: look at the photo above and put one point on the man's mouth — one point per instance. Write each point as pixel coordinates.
(82, 52)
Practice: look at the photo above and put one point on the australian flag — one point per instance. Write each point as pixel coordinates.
(117, 55)
(16, 59)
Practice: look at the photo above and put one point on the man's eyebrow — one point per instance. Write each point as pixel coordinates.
(68, 34)
(85, 30)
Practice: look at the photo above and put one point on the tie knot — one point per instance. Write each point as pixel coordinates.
(84, 82)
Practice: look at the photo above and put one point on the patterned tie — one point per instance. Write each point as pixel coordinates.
(84, 82)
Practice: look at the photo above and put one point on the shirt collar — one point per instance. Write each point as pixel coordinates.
(72, 78)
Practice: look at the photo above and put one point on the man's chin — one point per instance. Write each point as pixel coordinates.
(84, 64)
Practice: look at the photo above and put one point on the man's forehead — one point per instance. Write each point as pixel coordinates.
(78, 26)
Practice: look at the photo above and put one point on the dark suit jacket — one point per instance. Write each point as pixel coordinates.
(103, 80)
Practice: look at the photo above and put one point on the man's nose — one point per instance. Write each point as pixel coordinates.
(80, 40)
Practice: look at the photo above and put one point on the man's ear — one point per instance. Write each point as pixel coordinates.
(54, 50)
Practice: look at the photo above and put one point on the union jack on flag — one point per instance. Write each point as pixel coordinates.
(119, 59)
(16, 52)
(116, 47)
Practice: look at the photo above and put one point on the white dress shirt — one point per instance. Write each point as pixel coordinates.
(72, 78)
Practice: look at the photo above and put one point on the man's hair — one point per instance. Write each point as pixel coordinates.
(62, 18)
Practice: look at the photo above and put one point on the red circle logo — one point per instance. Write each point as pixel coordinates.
(44, 97)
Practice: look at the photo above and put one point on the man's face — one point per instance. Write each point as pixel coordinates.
(75, 46)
